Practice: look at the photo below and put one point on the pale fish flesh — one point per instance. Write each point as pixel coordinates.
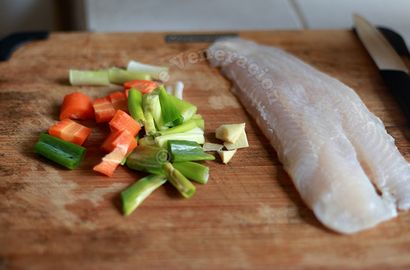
(342, 161)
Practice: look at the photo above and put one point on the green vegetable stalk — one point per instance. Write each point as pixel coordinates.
(135, 105)
(187, 151)
(147, 140)
(170, 114)
(151, 104)
(179, 181)
(197, 137)
(88, 77)
(155, 71)
(194, 171)
(184, 127)
(149, 123)
(148, 159)
(120, 76)
(186, 109)
(134, 195)
(199, 123)
(64, 153)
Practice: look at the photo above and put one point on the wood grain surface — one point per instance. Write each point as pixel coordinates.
(249, 215)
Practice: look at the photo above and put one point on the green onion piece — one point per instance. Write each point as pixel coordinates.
(170, 114)
(64, 153)
(88, 77)
(148, 159)
(160, 73)
(147, 140)
(184, 127)
(120, 76)
(135, 105)
(179, 89)
(179, 181)
(196, 130)
(200, 123)
(124, 160)
(195, 137)
(187, 151)
(151, 104)
(199, 120)
(134, 195)
(193, 171)
(186, 109)
(149, 124)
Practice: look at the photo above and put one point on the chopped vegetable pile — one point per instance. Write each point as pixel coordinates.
(151, 129)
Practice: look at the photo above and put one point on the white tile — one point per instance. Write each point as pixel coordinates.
(189, 15)
(338, 14)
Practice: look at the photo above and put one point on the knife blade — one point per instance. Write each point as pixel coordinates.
(392, 68)
(377, 46)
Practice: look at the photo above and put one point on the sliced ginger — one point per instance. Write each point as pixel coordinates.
(241, 142)
(234, 137)
(226, 156)
(230, 133)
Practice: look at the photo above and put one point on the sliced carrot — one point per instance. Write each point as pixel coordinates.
(110, 162)
(106, 167)
(104, 110)
(120, 139)
(108, 144)
(122, 120)
(70, 131)
(119, 100)
(144, 86)
(77, 106)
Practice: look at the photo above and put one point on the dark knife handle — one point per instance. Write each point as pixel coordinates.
(190, 38)
(399, 83)
(11, 42)
(396, 40)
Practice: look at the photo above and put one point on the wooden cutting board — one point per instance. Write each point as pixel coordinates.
(249, 215)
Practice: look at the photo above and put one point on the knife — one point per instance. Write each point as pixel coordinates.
(189, 38)
(392, 68)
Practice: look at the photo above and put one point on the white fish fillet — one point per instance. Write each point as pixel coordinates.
(345, 166)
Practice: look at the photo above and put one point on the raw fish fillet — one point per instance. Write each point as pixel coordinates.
(343, 163)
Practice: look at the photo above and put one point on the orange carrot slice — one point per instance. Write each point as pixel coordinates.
(120, 139)
(119, 100)
(144, 86)
(110, 162)
(70, 131)
(122, 120)
(77, 106)
(104, 110)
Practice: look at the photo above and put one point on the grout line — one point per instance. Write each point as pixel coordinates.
(296, 8)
